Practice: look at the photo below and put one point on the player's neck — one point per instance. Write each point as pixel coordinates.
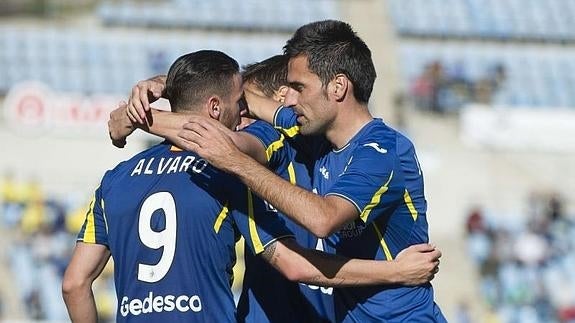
(349, 121)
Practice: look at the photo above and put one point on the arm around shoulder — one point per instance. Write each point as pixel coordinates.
(414, 266)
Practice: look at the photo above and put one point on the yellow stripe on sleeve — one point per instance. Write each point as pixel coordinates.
(410, 206)
(274, 146)
(221, 217)
(254, 236)
(291, 173)
(382, 243)
(290, 132)
(90, 230)
(375, 199)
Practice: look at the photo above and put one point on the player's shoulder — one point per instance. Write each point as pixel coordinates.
(379, 134)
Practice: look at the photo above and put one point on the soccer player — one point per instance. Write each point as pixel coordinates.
(368, 198)
(257, 303)
(170, 221)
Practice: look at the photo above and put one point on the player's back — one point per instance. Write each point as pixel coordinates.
(173, 247)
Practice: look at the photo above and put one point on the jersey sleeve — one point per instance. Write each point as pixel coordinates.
(372, 180)
(94, 230)
(273, 141)
(285, 121)
(257, 221)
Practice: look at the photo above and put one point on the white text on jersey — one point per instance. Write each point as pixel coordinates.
(157, 304)
(168, 165)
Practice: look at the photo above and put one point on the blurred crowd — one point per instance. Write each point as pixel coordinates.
(40, 231)
(445, 88)
(526, 267)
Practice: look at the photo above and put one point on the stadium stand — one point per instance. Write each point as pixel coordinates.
(546, 21)
(109, 62)
(529, 43)
(535, 76)
(266, 15)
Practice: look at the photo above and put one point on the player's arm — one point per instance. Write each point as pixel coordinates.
(259, 105)
(414, 265)
(88, 261)
(322, 215)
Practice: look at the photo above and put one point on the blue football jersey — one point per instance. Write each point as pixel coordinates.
(295, 302)
(171, 221)
(378, 172)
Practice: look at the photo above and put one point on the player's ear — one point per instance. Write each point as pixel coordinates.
(338, 87)
(214, 107)
(280, 94)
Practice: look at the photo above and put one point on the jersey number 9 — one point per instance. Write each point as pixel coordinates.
(166, 238)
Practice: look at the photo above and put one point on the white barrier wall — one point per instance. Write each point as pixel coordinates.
(519, 128)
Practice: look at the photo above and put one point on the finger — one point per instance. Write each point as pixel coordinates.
(198, 127)
(190, 135)
(144, 99)
(422, 247)
(186, 144)
(435, 255)
(130, 111)
(157, 92)
(135, 103)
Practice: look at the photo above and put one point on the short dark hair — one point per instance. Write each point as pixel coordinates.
(269, 75)
(332, 47)
(195, 76)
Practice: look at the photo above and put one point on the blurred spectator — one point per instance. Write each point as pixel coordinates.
(462, 314)
(525, 262)
(40, 248)
(442, 89)
(484, 89)
(427, 87)
(555, 208)
(476, 222)
(12, 205)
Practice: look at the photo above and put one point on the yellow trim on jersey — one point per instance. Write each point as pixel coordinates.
(375, 199)
(258, 245)
(90, 230)
(290, 132)
(383, 243)
(274, 146)
(409, 204)
(291, 173)
(175, 148)
(221, 217)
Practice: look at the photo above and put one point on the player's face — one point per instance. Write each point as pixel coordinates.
(308, 97)
(233, 106)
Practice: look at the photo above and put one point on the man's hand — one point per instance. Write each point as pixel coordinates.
(417, 264)
(211, 140)
(119, 125)
(144, 93)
